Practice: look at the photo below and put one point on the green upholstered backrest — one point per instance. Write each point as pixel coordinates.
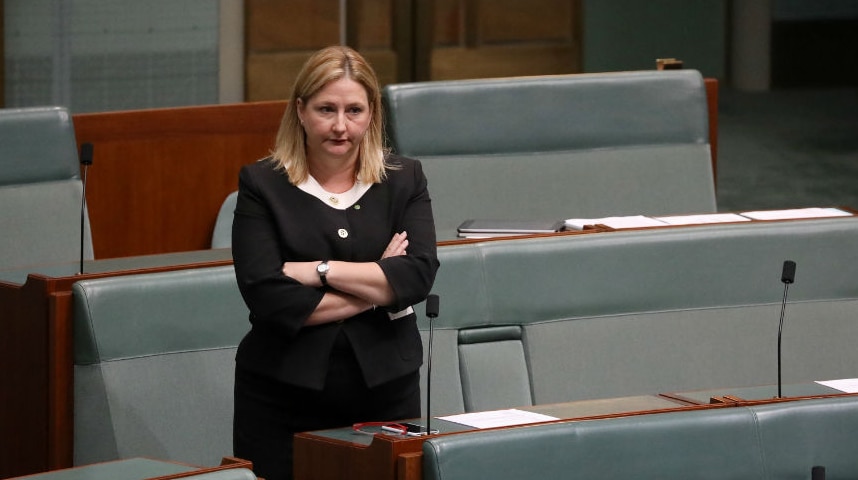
(797, 435)
(493, 360)
(547, 113)
(222, 234)
(154, 365)
(641, 312)
(778, 440)
(40, 189)
(37, 145)
(556, 147)
(130, 316)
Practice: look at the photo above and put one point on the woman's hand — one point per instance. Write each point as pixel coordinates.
(397, 245)
(303, 272)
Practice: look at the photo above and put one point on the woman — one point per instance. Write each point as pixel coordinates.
(333, 242)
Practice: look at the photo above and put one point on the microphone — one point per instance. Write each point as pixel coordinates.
(787, 277)
(817, 473)
(431, 312)
(86, 161)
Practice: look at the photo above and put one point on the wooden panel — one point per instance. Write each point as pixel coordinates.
(449, 23)
(270, 76)
(374, 24)
(712, 106)
(509, 61)
(296, 25)
(481, 39)
(503, 21)
(159, 176)
(282, 35)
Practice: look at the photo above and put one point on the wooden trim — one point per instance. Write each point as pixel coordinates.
(712, 104)
(60, 379)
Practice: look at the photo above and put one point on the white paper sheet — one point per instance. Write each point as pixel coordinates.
(633, 221)
(498, 418)
(848, 385)
(702, 219)
(796, 213)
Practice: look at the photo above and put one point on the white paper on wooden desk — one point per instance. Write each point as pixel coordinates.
(498, 418)
(848, 385)
(703, 218)
(632, 221)
(796, 213)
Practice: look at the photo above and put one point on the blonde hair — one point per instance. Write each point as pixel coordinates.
(325, 66)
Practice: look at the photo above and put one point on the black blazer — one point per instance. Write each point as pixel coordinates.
(276, 222)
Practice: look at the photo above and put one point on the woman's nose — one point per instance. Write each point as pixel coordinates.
(340, 122)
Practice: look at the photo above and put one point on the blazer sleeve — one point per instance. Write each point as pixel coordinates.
(276, 302)
(411, 276)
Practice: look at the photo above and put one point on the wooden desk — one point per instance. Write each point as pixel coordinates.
(36, 354)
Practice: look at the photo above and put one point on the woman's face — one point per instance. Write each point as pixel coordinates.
(335, 120)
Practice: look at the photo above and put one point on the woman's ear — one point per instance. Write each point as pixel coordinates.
(299, 110)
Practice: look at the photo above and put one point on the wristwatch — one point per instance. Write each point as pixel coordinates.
(322, 269)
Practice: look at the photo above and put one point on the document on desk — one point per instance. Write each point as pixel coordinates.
(796, 213)
(498, 418)
(618, 223)
(848, 385)
(703, 219)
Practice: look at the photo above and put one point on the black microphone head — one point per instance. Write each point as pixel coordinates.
(432, 306)
(86, 154)
(788, 274)
(817, 473)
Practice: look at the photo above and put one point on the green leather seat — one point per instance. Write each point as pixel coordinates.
(40, 189)
(154, 362)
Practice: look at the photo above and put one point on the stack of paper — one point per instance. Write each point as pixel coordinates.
(796, 213)
(703, 219)
(498, 418)
(633, 221)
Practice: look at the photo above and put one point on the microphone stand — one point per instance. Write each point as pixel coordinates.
(431, 312)
(787, 277)
(780, 332)
(86, 161)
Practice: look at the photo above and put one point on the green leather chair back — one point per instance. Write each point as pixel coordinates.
(154, 365)
(40, 189)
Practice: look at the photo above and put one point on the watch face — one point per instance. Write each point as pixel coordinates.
(322, 268)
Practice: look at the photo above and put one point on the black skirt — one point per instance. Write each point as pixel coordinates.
(268, 412)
